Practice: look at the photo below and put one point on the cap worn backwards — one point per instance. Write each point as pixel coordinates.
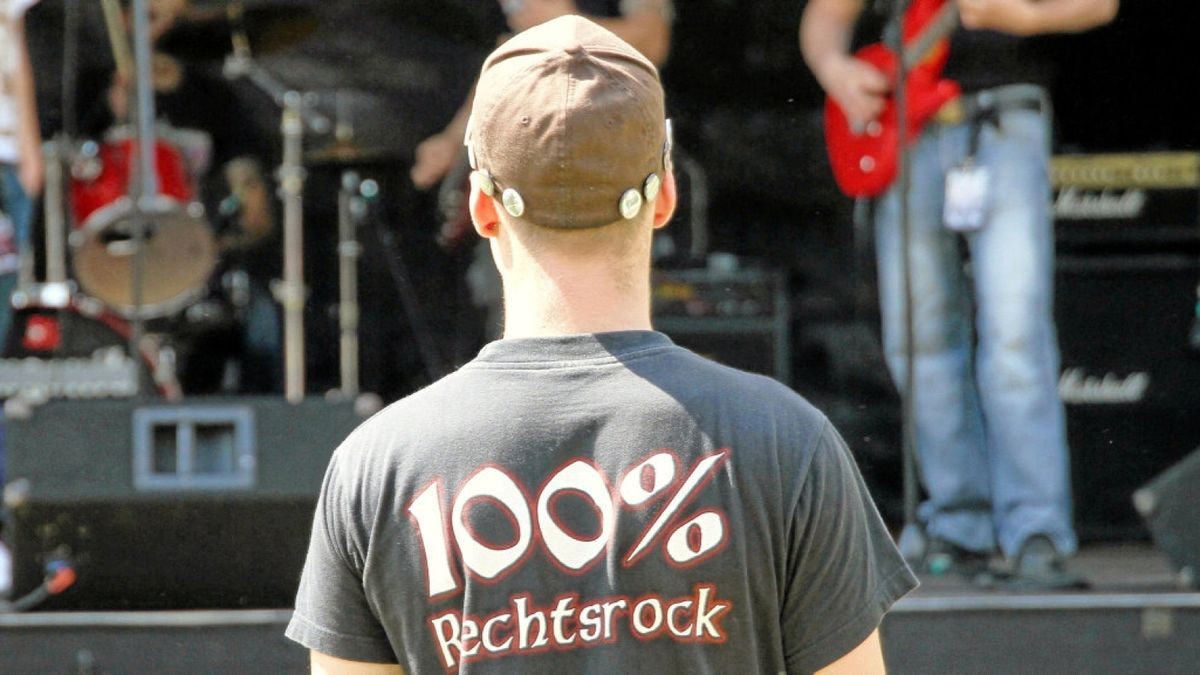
(568, 126)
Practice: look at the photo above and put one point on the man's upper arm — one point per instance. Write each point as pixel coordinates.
(333, 614)
(324, 664)
(865, 659)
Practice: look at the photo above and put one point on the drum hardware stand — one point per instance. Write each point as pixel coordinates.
(291, 291)
(55, 292)
(351, 207)
(296, 115)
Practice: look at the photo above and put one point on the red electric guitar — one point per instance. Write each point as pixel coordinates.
(865, 160)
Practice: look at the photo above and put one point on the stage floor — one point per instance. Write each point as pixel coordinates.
(1110, 568)
(1135, 619)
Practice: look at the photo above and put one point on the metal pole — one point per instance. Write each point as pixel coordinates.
(55, 211)
(904, 182)
(59, 149)
(292, 290)
(145, 186)
(349, 251)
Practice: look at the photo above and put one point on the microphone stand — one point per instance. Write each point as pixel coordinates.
(144, 188)
(913, 536)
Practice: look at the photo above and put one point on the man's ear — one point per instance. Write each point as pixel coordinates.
(664, 206)
(483, 212)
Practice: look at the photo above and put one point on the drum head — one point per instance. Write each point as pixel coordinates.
(180, 254)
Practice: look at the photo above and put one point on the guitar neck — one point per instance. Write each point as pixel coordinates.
(942, 24)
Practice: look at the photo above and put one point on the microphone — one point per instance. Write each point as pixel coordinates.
(229, 217)
(230, 207)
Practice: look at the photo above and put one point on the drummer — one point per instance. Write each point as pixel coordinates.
(205, 118)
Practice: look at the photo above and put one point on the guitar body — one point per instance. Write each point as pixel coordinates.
(866, 161)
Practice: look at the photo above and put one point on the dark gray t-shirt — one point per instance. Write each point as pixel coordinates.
(596, 503)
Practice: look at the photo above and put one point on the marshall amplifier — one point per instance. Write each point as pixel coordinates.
(1130, 378)
(1141, 199)
(739, 317)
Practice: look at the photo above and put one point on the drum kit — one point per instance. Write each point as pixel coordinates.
(130, 249)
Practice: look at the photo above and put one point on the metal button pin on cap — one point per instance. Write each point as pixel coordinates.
(484, 180)
(652, 187)
(631, 203)
(513, 203)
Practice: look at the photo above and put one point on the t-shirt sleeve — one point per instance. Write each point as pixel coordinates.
(332, 613)
(844, 570)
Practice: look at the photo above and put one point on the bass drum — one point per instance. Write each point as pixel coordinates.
(79, 352)
(180, 249)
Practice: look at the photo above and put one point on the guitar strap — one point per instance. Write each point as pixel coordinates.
(976, 122)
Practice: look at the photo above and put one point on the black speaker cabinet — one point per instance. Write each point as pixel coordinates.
(1130, 380)
(1123, 202)
(740, 318)
(204, 504)
(1169, 506)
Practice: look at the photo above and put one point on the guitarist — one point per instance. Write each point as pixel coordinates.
(989, 427)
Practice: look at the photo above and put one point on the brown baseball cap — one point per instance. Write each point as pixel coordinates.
(568, 127)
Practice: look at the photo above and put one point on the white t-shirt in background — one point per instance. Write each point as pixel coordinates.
(10, 12)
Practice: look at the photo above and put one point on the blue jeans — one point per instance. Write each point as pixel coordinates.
(19, 207)
(990, 437)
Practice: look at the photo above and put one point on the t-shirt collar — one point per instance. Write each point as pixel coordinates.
(580, 347)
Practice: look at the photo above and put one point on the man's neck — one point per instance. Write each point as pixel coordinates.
(542, 303)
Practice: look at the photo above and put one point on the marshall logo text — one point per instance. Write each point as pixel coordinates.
(1073, 203)
(1078, 387)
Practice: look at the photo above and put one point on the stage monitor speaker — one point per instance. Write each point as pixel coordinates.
(1168, 504)
(204, 504)
(1129, 379)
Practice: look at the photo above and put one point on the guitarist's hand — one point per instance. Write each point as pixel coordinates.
(1015, 17)
(434, 157)
(858, 87)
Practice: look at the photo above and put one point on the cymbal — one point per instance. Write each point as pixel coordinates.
(207, 33)
(348, 152)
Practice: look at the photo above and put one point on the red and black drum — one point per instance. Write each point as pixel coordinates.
(180, 248)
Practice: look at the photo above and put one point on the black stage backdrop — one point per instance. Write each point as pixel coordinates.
(746, 108)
